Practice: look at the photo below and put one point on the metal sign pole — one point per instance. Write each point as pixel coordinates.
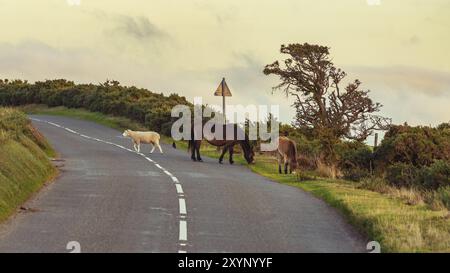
(224, 91)
(223, 103)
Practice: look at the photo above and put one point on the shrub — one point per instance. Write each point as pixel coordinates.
(139, 105)
(418, 146)
(436, 175)
(402, 175)
(428, 177)
(354, 159)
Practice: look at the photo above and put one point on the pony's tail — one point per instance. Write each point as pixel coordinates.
(295, 151)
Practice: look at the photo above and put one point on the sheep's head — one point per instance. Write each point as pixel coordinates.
(126, 133)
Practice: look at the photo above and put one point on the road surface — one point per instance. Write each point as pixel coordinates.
(110, 199)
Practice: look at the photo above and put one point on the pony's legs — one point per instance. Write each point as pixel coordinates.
(231, 151)
(153, 148)
(191, 146)
(279, 158)
(197, 149)
(224, 150)
(285, 168)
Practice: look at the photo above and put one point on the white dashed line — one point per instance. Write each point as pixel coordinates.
(179, 188)
(182, 205)
(72, 131)
(181, 200)
(183, 230)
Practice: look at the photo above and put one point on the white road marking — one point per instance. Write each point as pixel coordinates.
(72, 131)
(182, 201)
(54, 124)
(182, 205)
(183, 230)
(179, 188)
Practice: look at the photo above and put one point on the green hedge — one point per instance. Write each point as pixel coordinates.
(148, 108)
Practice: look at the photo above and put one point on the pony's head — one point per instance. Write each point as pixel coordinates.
(249, 154)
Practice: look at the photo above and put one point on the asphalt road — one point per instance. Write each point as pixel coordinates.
(109, 199)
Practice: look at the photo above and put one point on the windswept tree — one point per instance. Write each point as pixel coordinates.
(324, 108)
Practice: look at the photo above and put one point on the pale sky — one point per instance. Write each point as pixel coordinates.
(398, 49)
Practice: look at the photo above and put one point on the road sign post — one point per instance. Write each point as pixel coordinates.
(223, 91)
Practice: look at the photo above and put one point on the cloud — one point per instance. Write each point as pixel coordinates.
(120, 26)
(413, 95)
(413, 40)
(403, 78)
(33, 60)
(139, 28)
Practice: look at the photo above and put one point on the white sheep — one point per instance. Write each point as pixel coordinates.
(143, 137)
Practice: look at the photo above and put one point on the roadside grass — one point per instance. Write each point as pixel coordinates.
(24, 161)
(397, 221)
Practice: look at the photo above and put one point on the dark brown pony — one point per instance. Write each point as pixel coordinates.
(287, 154)
(226, 144)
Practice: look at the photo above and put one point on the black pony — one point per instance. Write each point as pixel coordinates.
(226, 144)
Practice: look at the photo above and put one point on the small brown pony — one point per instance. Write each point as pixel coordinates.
(228, 145)
(287, 154)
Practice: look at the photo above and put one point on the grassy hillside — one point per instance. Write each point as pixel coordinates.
(24, 163)
(391, 219)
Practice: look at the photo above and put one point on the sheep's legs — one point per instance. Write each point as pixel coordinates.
(159, 147)
(153, 148)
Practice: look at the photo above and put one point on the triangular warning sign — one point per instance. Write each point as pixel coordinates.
(223, 90)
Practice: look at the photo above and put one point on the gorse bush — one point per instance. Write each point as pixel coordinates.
(418, 146)
(148, 108)
(415, 156)
(436, 175)
(402, 174)
(427, 177)
(354, 159)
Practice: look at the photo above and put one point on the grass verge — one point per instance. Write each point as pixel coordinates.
(24, 161)
(396, 224)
